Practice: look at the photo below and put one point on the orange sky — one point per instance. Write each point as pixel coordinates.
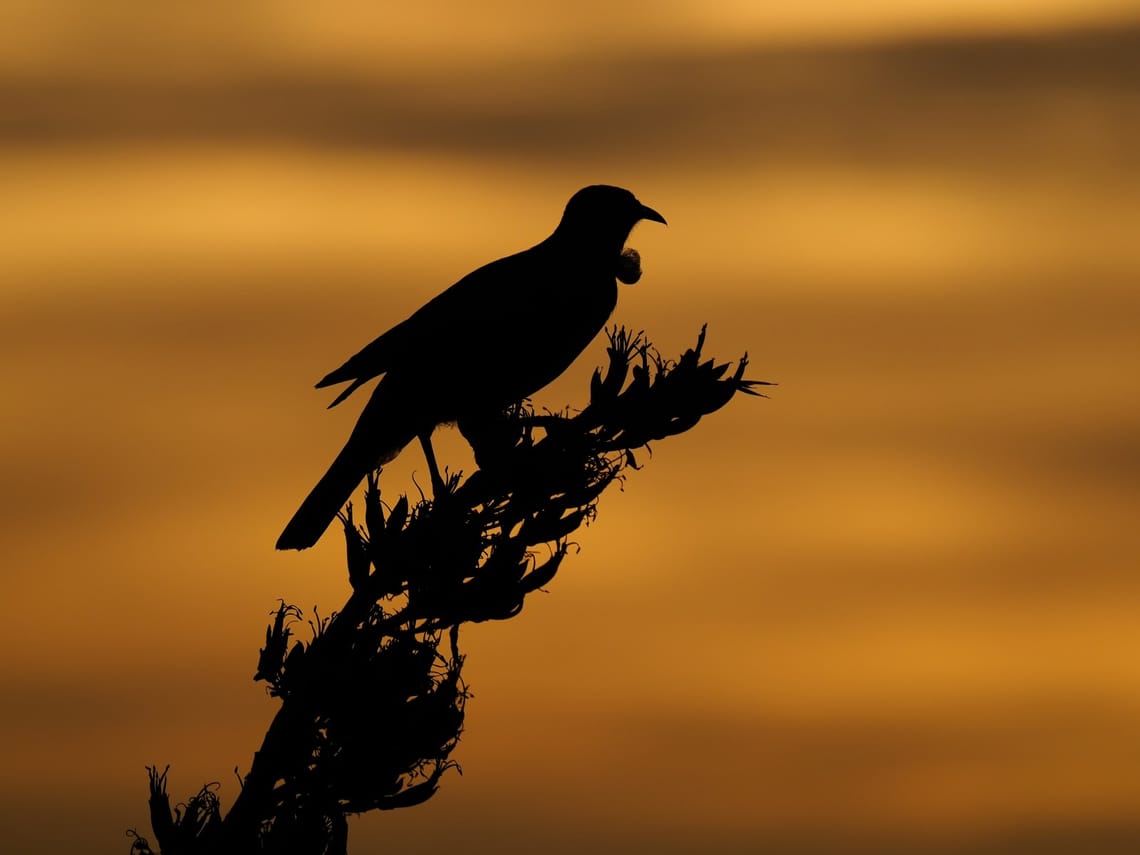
(889, 609)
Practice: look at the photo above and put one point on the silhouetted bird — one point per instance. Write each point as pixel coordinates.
(496, 336)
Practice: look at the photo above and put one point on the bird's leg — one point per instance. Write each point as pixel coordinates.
(438, 488)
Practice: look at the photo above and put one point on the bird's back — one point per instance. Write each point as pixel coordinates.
(499, 334)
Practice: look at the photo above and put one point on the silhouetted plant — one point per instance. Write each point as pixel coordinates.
(372, 704)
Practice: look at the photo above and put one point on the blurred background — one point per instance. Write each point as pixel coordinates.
(892, 609)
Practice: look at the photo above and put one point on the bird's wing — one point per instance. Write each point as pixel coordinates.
(372, 360)
(441, 325)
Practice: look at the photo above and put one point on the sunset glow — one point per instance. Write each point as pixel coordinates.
(892, 608)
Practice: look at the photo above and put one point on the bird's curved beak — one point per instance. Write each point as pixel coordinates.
(648, 213)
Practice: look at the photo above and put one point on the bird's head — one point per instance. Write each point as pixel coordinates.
(599, 219)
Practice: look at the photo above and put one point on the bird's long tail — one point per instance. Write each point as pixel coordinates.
(321, 505)
(364, 451)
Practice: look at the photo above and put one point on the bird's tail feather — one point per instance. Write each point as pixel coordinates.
(335, 489)
(321, 505)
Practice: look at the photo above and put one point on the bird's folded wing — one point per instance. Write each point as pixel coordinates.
(467, 309)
